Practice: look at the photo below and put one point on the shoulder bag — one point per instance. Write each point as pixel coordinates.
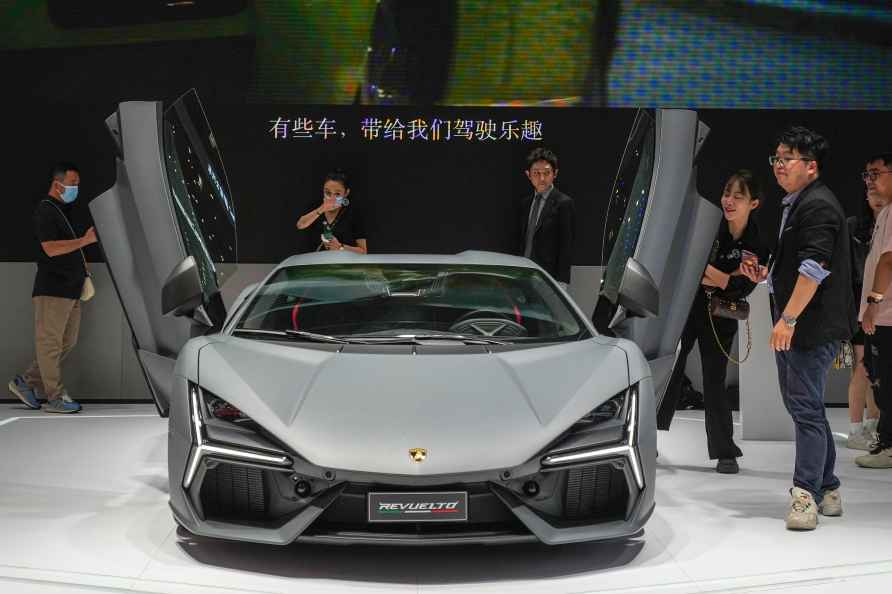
(731, 309)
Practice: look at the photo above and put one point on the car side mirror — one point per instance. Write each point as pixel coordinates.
(638, 293)
(181, 294)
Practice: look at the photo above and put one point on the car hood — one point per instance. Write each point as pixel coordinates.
(364, 411)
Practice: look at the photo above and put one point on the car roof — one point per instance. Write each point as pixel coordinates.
(469, 257)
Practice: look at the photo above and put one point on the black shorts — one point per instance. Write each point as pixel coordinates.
(858, 338)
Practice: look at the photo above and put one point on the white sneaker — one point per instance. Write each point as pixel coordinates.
(861, 440)
(803, 514)
(831, 504)
(879, 457)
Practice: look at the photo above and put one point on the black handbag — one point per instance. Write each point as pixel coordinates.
(732, 309)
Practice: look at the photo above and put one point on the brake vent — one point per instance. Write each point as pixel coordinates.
(234, 492)
(595, 492)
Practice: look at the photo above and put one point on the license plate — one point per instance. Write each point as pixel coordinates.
(444, 506)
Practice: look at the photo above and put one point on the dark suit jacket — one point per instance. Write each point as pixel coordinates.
(553, 241)
(816, 229)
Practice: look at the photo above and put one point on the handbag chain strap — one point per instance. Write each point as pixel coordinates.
(749, 337)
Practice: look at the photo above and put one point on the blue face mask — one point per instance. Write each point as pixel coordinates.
(69, 195)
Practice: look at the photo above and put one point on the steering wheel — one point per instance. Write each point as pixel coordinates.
(484, 322)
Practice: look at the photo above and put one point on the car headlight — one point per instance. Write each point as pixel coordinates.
(205, 406)
(612, 409)
(601, 426)
(217, 408)
(581, 444)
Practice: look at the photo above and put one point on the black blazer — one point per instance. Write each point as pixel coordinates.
(553, 241)
(816, 229)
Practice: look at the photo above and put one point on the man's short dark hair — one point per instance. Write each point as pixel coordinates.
(542, 154)
(61, 168)
(808, 142)
(886, 158)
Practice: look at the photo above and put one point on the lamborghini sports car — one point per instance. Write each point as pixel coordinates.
(400, 399)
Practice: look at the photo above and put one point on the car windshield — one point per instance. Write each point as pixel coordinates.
(385, 301)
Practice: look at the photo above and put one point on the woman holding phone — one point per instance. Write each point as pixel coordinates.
(737, 240)
(336, 223)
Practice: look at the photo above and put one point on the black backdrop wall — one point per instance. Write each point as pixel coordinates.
(415, 196)
(439, 196)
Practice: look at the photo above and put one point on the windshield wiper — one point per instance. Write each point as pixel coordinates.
(463, 337)
(417, 338)
(294, 334)
(397, 339)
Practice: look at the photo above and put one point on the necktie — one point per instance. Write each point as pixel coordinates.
(531, 224)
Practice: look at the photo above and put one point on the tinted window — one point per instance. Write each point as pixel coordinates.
(628, 202)
(202, 201)
(386, 300)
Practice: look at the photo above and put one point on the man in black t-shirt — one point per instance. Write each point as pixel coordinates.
(61, 273)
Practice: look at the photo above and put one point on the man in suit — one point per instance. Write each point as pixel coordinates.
(546, 229)
(809, 279)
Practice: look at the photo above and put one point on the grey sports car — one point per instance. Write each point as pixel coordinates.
(429, 399)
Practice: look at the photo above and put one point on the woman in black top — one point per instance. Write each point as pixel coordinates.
(737, 238)
(861, 434)
(336, 223)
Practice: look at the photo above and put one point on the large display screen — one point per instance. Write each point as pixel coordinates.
(790, 54)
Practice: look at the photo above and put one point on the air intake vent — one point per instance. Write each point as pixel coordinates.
(234, 493)
(595, 492)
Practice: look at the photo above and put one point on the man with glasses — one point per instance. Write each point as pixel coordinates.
(546, 228)
(875, 312)
(809, 279)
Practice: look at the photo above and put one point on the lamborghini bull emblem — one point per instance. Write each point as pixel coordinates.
(418, 454)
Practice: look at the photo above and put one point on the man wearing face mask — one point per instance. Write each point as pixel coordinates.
(61, 274)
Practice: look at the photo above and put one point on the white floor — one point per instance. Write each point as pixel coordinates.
(83, 508)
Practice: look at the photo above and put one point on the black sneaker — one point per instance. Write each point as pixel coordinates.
(727, 466)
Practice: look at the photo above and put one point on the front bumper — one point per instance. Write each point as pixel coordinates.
(240, 493)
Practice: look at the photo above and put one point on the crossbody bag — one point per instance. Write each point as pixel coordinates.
(730, 309)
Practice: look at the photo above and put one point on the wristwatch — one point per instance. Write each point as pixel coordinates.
(872, 298)
(789, 320)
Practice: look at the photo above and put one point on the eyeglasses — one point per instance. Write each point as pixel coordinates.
(785, 161)
(872, 175)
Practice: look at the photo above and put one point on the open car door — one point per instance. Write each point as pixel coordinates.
(657, 220)
(170, 201)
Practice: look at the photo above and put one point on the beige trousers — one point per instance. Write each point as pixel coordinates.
(56, 324)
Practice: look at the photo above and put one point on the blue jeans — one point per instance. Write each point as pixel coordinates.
(802, 374)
